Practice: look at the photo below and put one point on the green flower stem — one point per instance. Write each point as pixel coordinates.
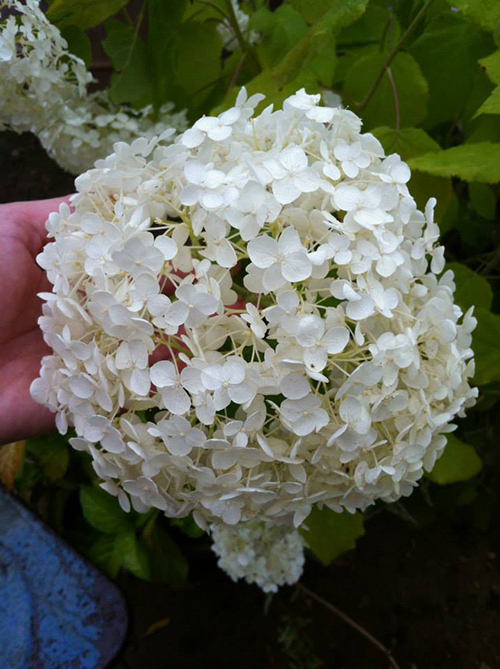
(244, 46)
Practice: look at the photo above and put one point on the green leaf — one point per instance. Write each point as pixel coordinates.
(407, 142)
(330, 534)
(485, 13)
(492, 104)
(83, 13)
(105, 554)
(78, 43)
(456, 45)
(280, 31)
(163, 19)
(51, 452)
(129, 57)
(470, 162)
(409, 83)
(483, 200)
(207, 11)
(459, 462)
(310, 64)
(102, 510)
(411, 142)
(197, 60)
(492, 66)
(313, 10)
(371, 28)
(168, 564)
(134, 555)
(486, 347)
(483, 129)
(472, 289)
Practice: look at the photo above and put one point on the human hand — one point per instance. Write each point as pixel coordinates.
(22, 237)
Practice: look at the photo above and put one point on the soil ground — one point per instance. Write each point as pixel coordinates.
(431, 595)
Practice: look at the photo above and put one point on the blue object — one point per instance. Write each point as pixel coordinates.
(57, 611)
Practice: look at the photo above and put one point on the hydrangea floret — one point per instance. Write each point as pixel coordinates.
(253, 319)
(269, 555)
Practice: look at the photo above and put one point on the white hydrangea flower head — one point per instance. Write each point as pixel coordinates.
(43, 89)
(252, 319)
(270, 556)
(37, 72)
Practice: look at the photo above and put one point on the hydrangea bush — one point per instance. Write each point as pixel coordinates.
(252, 318)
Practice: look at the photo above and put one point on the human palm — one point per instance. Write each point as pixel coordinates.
(22, 237)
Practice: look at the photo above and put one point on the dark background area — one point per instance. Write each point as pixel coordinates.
(430, 593)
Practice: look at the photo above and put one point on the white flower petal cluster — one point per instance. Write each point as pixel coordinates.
(37, 72)
(87, 130)
(253, 319)
(43, 89)
(270, 556)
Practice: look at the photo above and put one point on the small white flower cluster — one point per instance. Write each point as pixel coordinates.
(38, 75)
(43, 89)
(88, 129)
(270, 556)
(251, 320)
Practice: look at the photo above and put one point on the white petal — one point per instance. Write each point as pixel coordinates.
(273, 278)
(163, 374)
(212, 377)
(308, 181)
(286, 191)
(195, 171)
(296, 267)
(139, 382)
(336, 339)
(192, 138)
(295, 386)
(289, 241)
(190, 195)
(234, 370)
(262, 251)
(220, 132)
(360, 309)
(167, 246)
(241, 393)
(310, 330)
(226, 255)
(206, 303)
(176, 400)
(294, 159)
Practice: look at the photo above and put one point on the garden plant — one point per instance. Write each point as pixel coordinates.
(270, 311)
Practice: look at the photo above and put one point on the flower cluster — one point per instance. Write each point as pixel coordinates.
(43, 89)
(270, 556)
(87, 130)
(253, 319)
(38, 75)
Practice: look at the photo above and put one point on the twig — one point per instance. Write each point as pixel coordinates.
(491, 264)
(236, 26)
(349, 621)
(244, 46)
(237, 70)
(394, 53)
(396, 97)
(211, 4)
